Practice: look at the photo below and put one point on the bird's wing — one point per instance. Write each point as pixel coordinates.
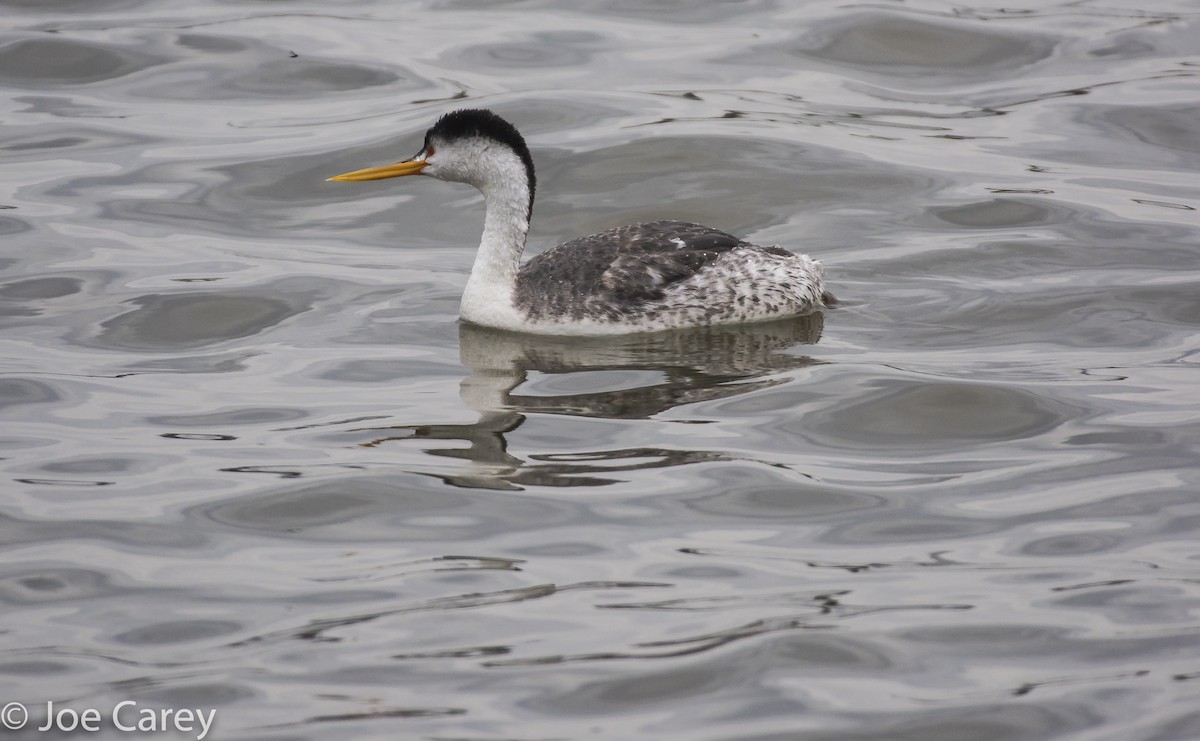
(649, 257)
(644, 276)
(627, 264)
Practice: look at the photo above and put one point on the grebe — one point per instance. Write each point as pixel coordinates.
(637, 278)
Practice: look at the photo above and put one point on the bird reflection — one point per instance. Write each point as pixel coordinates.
(670, 368)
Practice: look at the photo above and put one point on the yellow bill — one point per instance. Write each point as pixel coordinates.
(400, 169)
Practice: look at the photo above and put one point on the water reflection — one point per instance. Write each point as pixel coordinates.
(190, 320)
(655, 373)
(35, 63)
(903, 46)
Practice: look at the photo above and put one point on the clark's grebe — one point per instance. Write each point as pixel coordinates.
(637, 278)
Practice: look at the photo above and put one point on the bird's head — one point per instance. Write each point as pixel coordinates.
(472, 146)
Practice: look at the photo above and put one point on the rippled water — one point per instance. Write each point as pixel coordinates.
(251, 463)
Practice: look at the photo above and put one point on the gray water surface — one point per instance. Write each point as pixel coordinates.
(251, 463)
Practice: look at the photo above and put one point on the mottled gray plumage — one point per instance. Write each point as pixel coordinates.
(616, 272)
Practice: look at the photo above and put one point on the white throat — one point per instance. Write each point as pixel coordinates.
(488, 296)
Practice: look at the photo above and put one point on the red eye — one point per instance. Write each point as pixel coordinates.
(429, 152)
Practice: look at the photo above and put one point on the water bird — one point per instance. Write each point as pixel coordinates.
(644, 277)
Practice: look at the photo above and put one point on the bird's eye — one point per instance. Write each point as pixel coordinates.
(429, 152)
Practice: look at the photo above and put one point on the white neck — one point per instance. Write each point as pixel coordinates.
(494, 275)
